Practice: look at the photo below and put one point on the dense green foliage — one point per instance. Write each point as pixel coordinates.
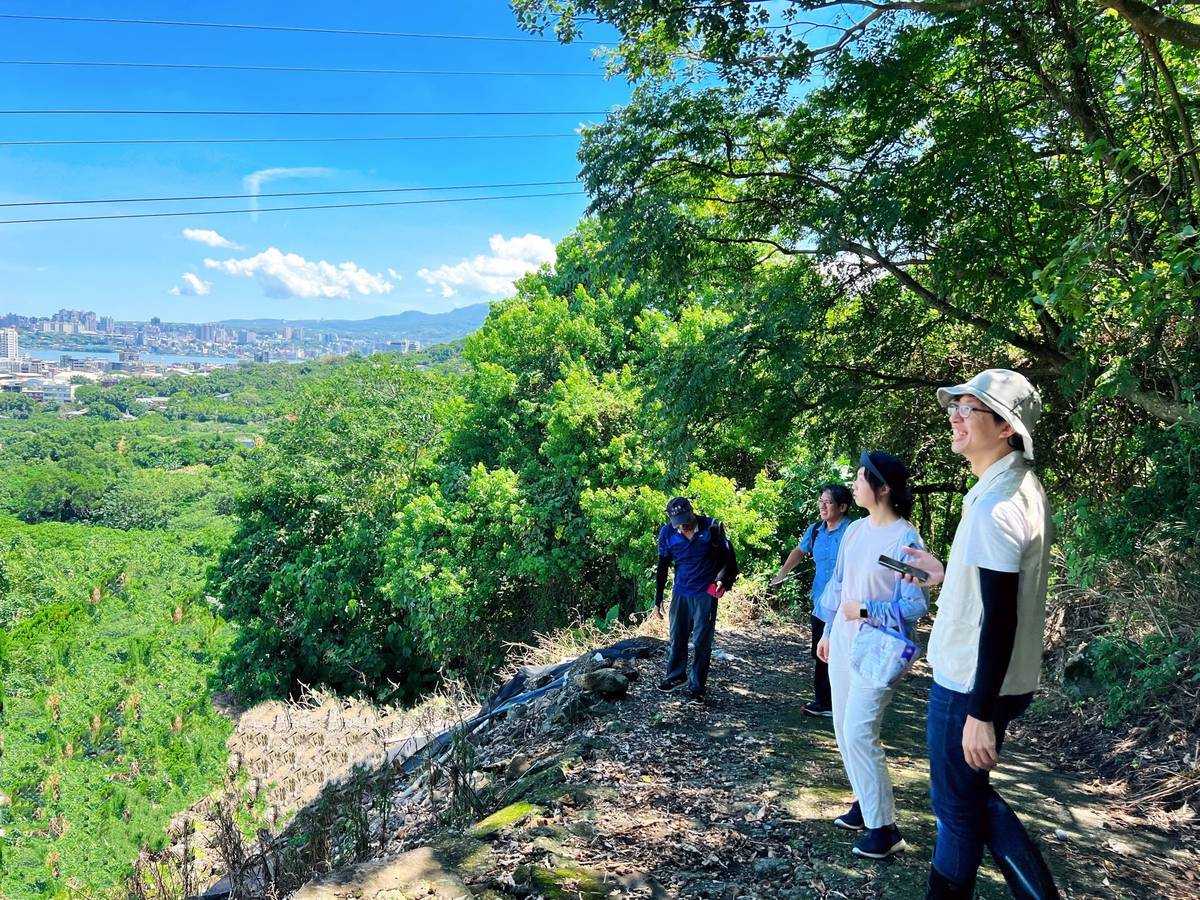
(110, 646)
(108, 720)
(238, 394)
(852, 215)
(299, 575)
(790, 246)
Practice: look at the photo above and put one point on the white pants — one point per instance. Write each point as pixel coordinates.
(857, 715)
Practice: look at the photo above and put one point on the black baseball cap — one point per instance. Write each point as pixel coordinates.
(680, 512)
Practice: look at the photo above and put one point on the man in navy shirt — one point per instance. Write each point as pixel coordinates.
(822, 540)
(704, 567)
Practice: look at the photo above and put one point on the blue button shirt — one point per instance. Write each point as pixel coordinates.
(824, 550)
(696, 561)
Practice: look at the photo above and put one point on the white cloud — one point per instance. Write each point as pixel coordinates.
(212, 238)
(255, 180)
(395, 276)
(493, 275)
(291, 275)
(193, 286)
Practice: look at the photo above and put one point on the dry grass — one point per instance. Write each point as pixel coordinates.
(554, 647)
(744, 607)
(1154, 754)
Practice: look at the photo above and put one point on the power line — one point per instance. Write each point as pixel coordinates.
(226, 212)
(287, 140)
(247, 68)
(294, 28)
(401, 190)
(276, 112)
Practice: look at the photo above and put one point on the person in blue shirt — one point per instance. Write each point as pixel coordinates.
(821, 540)
(705, 567)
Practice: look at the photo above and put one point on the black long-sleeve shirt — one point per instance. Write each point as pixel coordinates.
(997, 635)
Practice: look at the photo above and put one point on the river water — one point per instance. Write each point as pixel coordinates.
(168, 359)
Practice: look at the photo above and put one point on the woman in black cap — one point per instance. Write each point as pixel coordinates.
(862, 591)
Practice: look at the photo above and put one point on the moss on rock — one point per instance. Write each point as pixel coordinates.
(568, 881)
(504, 818)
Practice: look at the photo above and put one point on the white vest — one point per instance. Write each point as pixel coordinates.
(1006, 527)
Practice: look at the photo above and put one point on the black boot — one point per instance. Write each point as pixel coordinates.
(942, 888)
(1027, 874)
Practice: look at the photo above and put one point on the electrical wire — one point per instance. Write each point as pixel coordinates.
(285, 112)
(286, 140)
(247, 68)
(226, 212)
(400, 190)
(291, 28)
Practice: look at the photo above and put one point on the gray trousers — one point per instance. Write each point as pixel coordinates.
(692, 616)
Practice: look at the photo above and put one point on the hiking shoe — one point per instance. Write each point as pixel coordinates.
(851, 820)
(669, 684)
(880, 843)
(695, 696)
(815, 709)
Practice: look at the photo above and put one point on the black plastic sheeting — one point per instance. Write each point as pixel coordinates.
(513, 692)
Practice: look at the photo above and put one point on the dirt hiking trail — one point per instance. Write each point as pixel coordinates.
(655, 796)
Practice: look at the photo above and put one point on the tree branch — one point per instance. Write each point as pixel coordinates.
(888, 381)
(1160, 407)
(1147, 19)
(942, 487)
(1050, 355)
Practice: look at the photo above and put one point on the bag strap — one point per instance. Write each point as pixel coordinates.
(812, 537)
(894, 605)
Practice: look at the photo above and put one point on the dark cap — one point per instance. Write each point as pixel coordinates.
(680, 512)
(889, 469)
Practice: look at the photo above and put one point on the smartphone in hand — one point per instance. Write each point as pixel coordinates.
(715, 591)
(903, 568)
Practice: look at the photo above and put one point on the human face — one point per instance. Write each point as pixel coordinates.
(686, 530)
(864, 494)
(828, 510)
(978, 437)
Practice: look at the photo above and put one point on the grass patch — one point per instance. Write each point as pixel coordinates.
(504, 818)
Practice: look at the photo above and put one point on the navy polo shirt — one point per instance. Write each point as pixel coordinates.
(697, 561)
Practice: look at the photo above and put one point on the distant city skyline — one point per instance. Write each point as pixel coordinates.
(93, 322)
(327, 263)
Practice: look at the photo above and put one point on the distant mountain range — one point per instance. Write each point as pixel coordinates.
(428, 328)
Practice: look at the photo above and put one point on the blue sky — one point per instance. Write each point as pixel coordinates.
(352, 263)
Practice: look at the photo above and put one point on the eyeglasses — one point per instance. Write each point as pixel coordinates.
(963, 411)
(825, 503)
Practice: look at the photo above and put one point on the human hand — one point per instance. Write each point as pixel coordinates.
(925, 560)
(851, 610)
(979, 744)
(658, 607)
(823, 650)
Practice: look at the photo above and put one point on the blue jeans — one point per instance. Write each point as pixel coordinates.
(970, 814)
(694, 616)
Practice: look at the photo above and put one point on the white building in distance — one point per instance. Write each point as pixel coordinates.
(8, 344)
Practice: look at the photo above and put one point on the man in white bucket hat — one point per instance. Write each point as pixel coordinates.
(987, 640)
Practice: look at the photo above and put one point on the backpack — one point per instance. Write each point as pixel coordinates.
(730, 561)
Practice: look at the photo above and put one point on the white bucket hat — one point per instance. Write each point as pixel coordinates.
(1008, 394)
